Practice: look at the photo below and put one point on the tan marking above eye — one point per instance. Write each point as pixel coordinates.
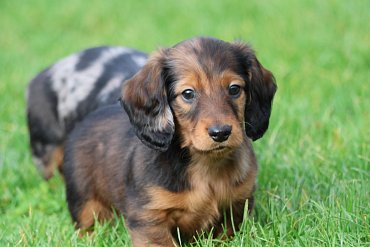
(229, 77)
(238, 83)
(184, 84)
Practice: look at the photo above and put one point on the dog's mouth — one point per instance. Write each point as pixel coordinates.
(216, 150)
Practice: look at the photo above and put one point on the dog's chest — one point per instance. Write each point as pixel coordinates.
(212, 190)
(199, 208)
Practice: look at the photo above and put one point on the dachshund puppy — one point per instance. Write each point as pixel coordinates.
(64, 93)
(179, 159)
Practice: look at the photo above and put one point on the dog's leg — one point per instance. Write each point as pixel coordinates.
(154, 237)
(54, 161)
(90, 211)
(231, 220)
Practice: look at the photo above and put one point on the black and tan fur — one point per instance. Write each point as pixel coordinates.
(170, 160)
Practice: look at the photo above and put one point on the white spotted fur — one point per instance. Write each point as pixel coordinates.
(83, 81)
(112, 85)
(140, 60)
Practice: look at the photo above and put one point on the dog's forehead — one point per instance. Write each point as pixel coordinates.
(207, 53)
(200, 60)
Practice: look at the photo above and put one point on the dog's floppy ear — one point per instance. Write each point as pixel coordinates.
(261, 89)
(144, 98)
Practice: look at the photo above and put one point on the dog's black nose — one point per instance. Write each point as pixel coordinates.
(219, 133)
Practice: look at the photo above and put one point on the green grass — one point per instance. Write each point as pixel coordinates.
(313, 184)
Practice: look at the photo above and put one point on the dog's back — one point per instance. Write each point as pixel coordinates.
(62, 95)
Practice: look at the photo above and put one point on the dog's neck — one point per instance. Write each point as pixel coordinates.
(219, 176)
(196, 169)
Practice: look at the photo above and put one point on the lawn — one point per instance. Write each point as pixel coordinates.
(313, 184)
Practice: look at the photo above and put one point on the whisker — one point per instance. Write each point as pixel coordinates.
(249, 124)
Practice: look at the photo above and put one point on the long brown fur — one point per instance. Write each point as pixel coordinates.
(172, 162)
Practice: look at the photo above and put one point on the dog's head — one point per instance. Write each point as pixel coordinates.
(209, 92)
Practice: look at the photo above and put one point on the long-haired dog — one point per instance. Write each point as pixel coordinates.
(62, 95)
(179, 159)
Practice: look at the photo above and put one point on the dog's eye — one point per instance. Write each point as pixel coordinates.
(188, 95)
(234, 90)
